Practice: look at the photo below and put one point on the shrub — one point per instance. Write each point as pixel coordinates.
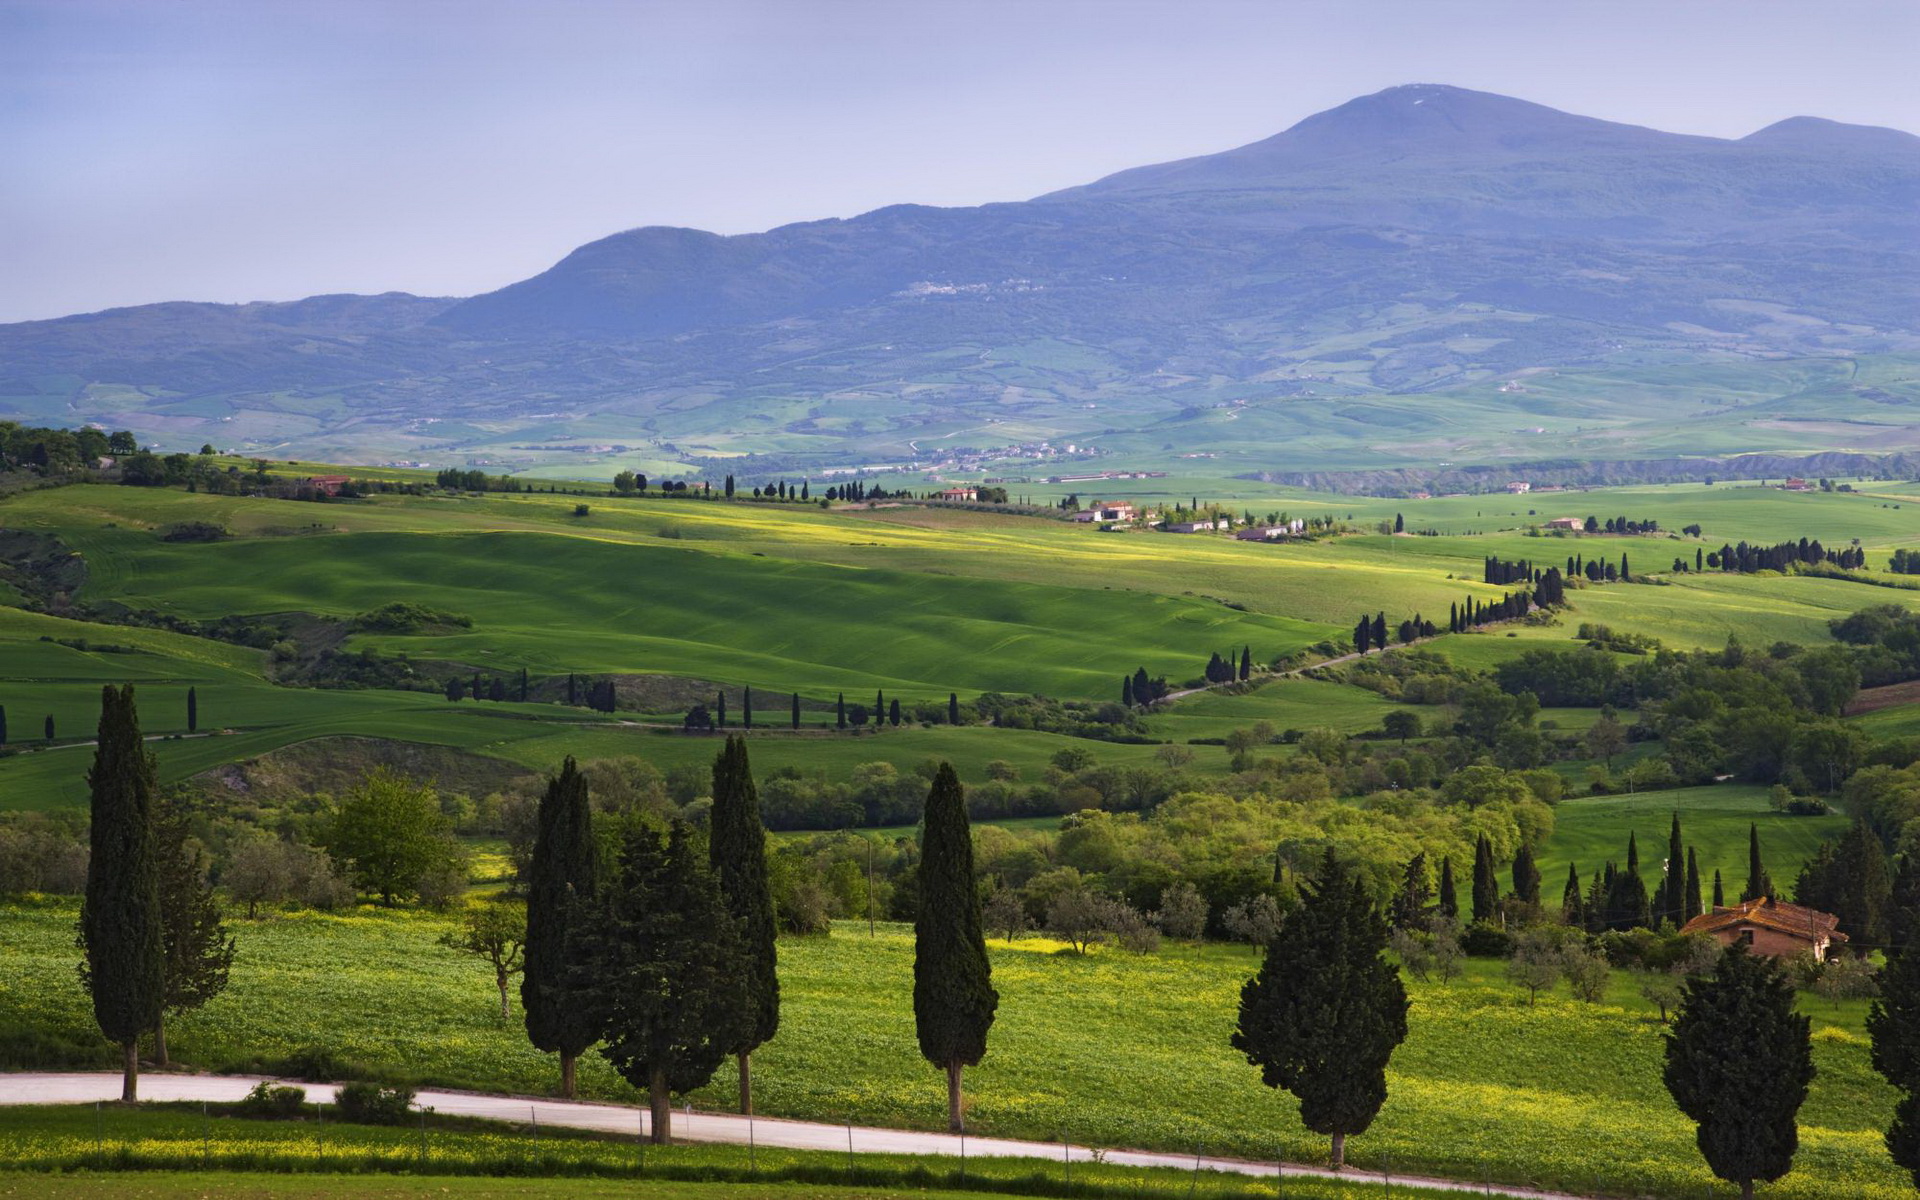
(373, 1104)
(193, 531)
(1485, 940)
(272, 1102)
(315, 1064)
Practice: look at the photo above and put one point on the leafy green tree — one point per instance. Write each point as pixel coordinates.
(560, 883)
(124, 964)
(1738, 1062)
(496, 933)
(193, 938)
(1326, 1010)
(1401, 724)
(1894, 1025)
(391, 834)
(953, 997)
(737, 849)
(659, 969)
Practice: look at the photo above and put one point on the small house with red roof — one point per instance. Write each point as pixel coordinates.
(1769, 926)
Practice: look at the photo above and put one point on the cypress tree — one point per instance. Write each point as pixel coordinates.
(879, 709)
(659, 971)
(1903, 906)
(953, 708)
(953, 996)
(840, 711)
(560, 883)
(796, 710)
(1362, 634)
(3, 724)
(1526, 875)
(523, 685)
(720, 708)
(1246, 663)
(1758, 884)
(1719, 890)
(573, 688)
(893, 712)
(1894, 1025)
(737, 851)
(1449, 900)
(1486, 886)
(1326, 1010)
(1410, 902)
(1380, 631)
(1691, 900)
(195, 948)
(49, 727)
(1126, 695)
(1572, 910)
(1673, 889)
(746, 707)
(1738, 1062)
(124, 967)
(193, 710)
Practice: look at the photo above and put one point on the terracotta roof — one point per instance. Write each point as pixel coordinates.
(1768, 913)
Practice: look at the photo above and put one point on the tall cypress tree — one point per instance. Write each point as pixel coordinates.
(720, 708)
(1739, 1059)
(1449, 898)
(1894, 1026)
(953, 996)
(953, 708)
(840, 710)
(1126, 696)
(1325, 1012)
(197, 951)
(879, 709)
(1691, 901)
(1246, 663)
(1486, 884)
(523, 685)
(737, 851)
(1673, 889)
(1758, 884)
(3, 724)
(659, 971)
(1409, 906)
(124, 968)
(1526, 875)
(573, 688)
(746, 707)
(1572, 907)
(560, 883)
(1719, 890)
(193, 710)
(796, 710)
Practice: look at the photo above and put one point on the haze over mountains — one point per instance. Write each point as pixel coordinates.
(1420, 240)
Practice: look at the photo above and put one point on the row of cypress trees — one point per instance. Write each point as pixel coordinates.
(672, 963)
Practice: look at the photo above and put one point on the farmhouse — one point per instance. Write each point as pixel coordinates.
(1100, 511)
(1519, 488)
(1271, 533)
(1573, 523)
(1797, 485)
(1769, 926)
(960, 493)
(1192, 526)
(328, 485)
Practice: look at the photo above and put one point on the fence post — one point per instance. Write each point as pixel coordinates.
(320, 1136)
(1066, 1159)
(849, 1148)
(423, 1139)
(1193, 1183)
(206, 1135)
(99, 1131)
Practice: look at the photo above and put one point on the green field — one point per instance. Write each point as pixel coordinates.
(1108, 1050)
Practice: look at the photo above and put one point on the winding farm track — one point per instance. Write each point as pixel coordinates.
(89, 1087)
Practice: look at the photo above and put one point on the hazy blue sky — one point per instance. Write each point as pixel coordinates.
(172, 149)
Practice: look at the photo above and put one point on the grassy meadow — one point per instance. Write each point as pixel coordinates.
(1110, 1049)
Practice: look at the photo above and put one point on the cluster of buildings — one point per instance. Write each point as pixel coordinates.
(1119, 512)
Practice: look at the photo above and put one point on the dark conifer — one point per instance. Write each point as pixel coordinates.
(840, 711)
(1719, 890)
(746, 707)
(1526, 875)
(1691, 899)
(560, 882)
(523, 685)
(3, 724)
(456, 689)
(193, 711)
(953, 996)
(1449, 899)
(1326, 1011)
(1758, 884)
(879, 709)
(124, 966)
(953, 708)
(1486, 884)
(573, 688)
(1126, 691)
(193, 939)
(48, 727)
(1894, 1026)
(1739, 1059)
(1246, 663)
(659, 971)
(737, 850)
(497, 691)
(1673, 889)
(1410, 902)
(1572, 907)
(893, 712)
(796, 710)
(1380, 631)
(720, 708)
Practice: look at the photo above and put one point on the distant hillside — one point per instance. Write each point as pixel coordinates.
(1421, 240)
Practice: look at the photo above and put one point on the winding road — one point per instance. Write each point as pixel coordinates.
(89, 1087)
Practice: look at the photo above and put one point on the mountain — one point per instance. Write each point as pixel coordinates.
(1424, 239)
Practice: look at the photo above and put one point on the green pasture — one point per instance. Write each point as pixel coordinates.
(1111, 1049)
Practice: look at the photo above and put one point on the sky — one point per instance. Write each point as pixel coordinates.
(185, 150)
